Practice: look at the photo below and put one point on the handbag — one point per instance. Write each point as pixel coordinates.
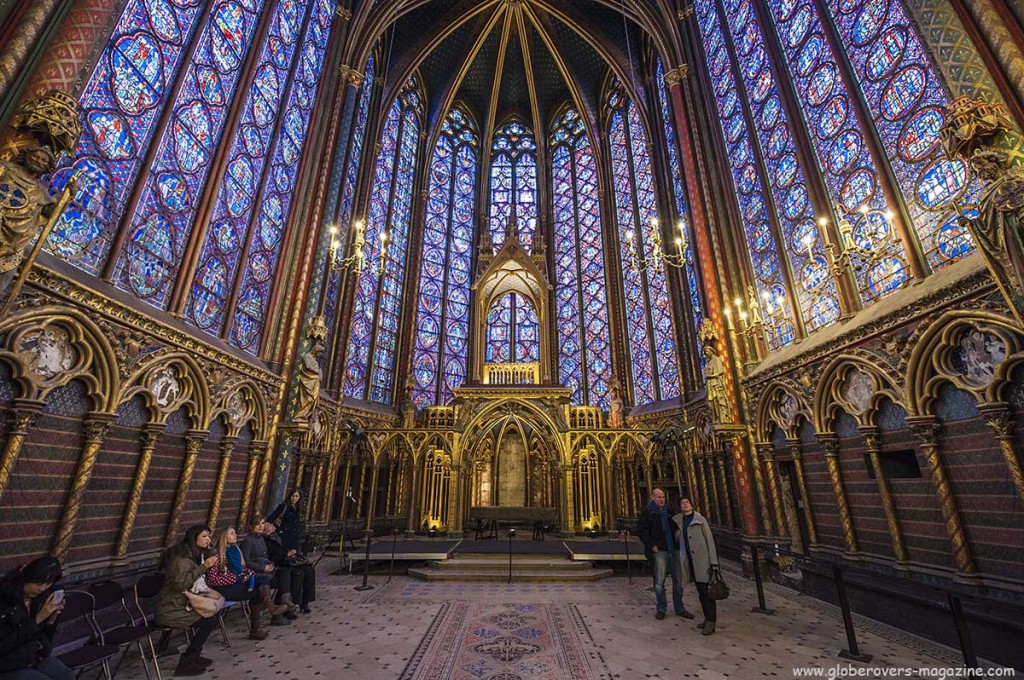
(717, 589)
(205, 604)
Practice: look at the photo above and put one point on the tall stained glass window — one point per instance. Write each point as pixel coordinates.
(513, 182)
(442, 322)
(374, 328)
(649, 328)
(348, 192)
(173, 185)
(679, 192)
(584, 349)
(233, 207)
(513, 331)
(278, 191)
(121, 105)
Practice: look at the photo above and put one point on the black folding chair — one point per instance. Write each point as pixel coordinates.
(124, 632)
(79, 604)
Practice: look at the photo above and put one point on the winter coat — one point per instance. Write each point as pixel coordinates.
(254, 550)
(290, 528)
(650, 531)
(23, 642)
(701, 542)
(182, 572)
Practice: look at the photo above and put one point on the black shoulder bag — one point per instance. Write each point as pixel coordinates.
(717, 589)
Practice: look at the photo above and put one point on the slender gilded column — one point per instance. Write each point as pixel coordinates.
(705, 486)
(257, 450)
(691, 478)
(227, 447)
(926, 430)
(714, 484)
(330, 482)
(649, 474)
(260, 502)
(193, 442)
(412, 522)
(94, 430)
(723, 474)
(362, 487)
(830, 445)
(22, 416)
(318, 489)
(870, 436)
(300, 468)
(16, 52)
(801, 482)
(768, 457)
(150, 436)
(997, 415)
(762, 495)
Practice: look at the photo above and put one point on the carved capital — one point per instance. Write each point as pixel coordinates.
(998, 418)
(149, 437)
(96, 428)
(829, 444)
(343, 14)
(925, 430)
(194, 441)
(870, 437)
(765, 451)
(684, 13)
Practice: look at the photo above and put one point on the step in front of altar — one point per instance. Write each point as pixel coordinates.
(494, 568)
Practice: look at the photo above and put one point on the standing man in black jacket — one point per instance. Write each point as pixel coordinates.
(661, 546)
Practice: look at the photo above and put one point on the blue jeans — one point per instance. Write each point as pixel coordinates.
(666, 564)
(47, 669)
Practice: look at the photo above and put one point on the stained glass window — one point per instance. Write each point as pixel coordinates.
(174, 181)
(649, 328)
(908, 101)
(275, 201)
(513, 331)
(762, 243)
(581, 310)
(815, 288)
(442, 322)
(843, 154)
(348, 192)
(120, 107)
(683, 225)
(232, 212)
(513, 182)
(374, 328)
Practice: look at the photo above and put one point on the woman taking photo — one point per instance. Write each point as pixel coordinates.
(236, 582)
(290, 526)
(183, 563)
(29, 609)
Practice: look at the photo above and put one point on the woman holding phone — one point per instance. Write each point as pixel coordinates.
(29, 609)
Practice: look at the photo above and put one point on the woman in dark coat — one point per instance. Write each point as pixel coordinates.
(290, 527)
(29, 611)
(184, 562)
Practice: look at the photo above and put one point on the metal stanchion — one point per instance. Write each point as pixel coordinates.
(853, 653)
(366, 563)
(629, 571)
(760, 608)
(511, 535)
(962, 634)
(394, 541)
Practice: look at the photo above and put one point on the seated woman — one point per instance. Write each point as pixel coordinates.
(303, 576)
(183, 563)
(29, 609)
(232, 579)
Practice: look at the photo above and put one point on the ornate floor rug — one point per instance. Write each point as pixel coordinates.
(495, 641)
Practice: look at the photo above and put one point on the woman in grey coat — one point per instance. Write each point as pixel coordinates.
(698, 556)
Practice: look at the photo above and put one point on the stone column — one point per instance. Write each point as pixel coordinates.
(300, 469)
(768, 458)
(227, 447)
(830, 444)
(411, 524)
(94, 430)
(926, 431)
(997, 415)
(798, 466)
(760, 449)
(372, 501)
(318, 489)
(705, 493)
(331, 481)
(16, 54)
(870, 435)
(193, 442)
(22, 416)
(362, 484)
(257, 451)
(148, 440)
(724, 476)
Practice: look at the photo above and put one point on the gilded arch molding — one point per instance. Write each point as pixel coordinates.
(855, 384)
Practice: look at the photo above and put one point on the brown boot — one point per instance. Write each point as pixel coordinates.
(256, 631)
(189, 666)
(268, 603)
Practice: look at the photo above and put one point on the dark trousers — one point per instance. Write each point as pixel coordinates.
(201, 630)
(307, 584)
(284, 580)
(707, 605)
(238, 592)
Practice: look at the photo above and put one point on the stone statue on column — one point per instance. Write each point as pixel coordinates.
(40, 130)
(408, 408)
(971, 133)
(615, 413)
(309, 373)
(714, 376)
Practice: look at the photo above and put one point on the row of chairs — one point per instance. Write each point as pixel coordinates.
(113, 628)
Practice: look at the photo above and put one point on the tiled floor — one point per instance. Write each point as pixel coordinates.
(404, 630)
